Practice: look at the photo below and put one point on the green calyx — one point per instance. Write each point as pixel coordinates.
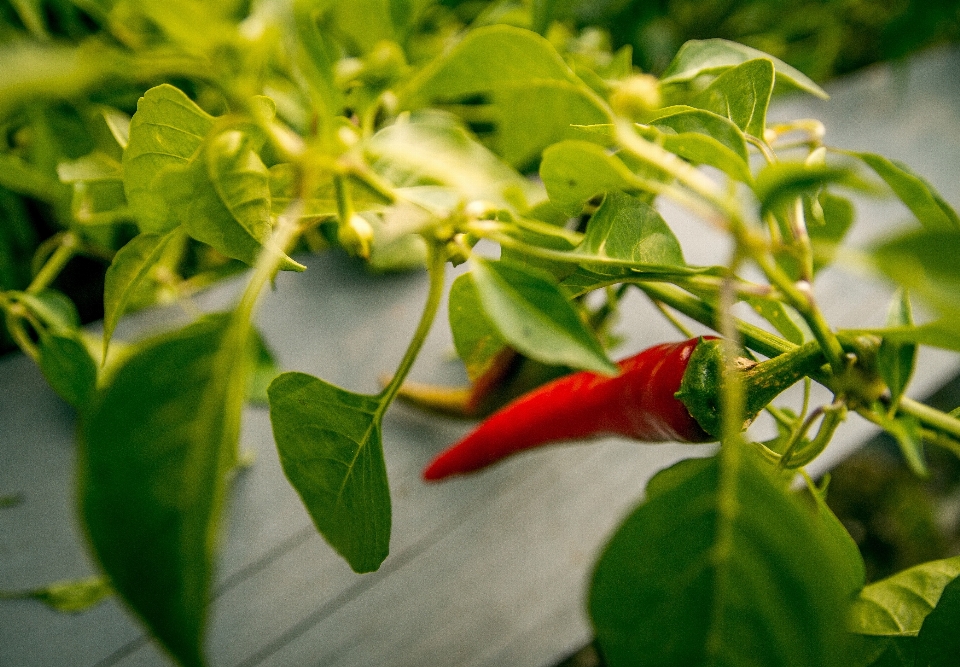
(702, 385)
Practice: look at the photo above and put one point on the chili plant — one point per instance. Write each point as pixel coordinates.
(405, 139)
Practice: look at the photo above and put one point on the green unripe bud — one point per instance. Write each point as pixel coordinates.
(636, 96)
(356, 236)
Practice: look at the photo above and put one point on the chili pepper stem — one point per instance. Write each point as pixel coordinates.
(761, 382)
(452, 401)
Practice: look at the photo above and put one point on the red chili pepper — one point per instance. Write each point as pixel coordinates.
(639, 403)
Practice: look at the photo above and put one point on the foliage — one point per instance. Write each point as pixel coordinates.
(822, 38)
(183, 140)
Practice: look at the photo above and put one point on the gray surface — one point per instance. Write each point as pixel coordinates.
(489, 570)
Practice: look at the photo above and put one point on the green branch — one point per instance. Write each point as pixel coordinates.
(435, 265)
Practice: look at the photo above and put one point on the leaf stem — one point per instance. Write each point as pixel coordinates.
(833, 415)
(540, 227)
(344, 202)
(14, 316)
(763, 147)
(68, 246)
(269, 261)
(436, 262)
(493, 231)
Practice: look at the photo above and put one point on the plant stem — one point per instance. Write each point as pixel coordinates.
(371, 179)
(802, 300)
(941, 440)
(671, 318)
(763, 147)
(272, 255)
(930, 416)
(547, 229)
(344, 203)
(832, 417)
(696, 181)
(436, 262)
(754, 337)
(798, 227)
(493, 231)
(733, 388)
(233, 353)
(14, 315)
(67, 248)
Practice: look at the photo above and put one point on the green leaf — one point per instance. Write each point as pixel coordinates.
(829, 217)
(931, 209)
(366, 22)
(316, 56)
(706, 572)
(943, 333)
(533, 316)
(264, 369)
(18, 238)
(166, 131)
(896, 361)
(626, 228)
(685, 119)
(68, 367)
(53, 308)
(31, 13)
(485, 58)
(98, 196)
(8, 500)
(872, 651)
(330, 446)
(96, 166)
(195, 25)
(897, 606)
(433, 148)
(709, 56)
(322, 201)
(512, 84)
(781, 182)
(678, 475)
(924, 262)
(475, 338)
(127, 274)
(118, 123)
(742, 94)
(776, 313)
(583, 281)
(938, 643)
(701, 149)
(574, 172)
(72, 596)
(851, 570)
(18, 175)
(525, 118)
(395, 253)
(154, 452)
(557, 239)
(905, 429)
(222, 197)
